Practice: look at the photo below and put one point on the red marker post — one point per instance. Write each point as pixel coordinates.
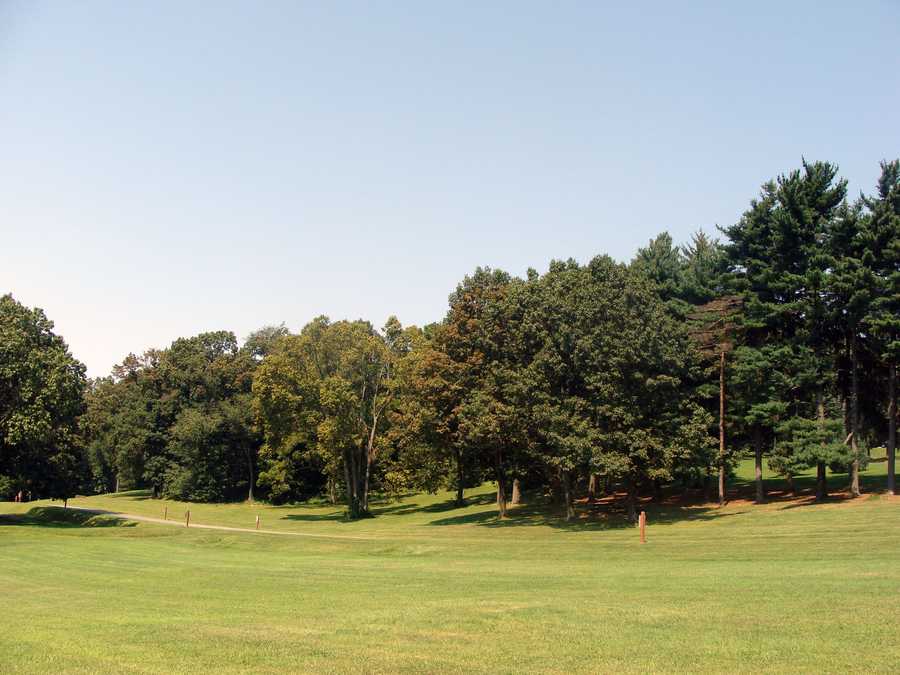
(642, 521)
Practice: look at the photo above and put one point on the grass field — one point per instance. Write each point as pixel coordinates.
(424, 587)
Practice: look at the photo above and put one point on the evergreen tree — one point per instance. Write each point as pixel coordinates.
(778, 258)
(882, 257)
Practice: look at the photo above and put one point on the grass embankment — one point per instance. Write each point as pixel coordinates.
(427, 588)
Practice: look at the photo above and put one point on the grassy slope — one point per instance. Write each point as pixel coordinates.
(743, 588)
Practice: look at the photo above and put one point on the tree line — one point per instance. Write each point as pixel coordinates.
(780, 340)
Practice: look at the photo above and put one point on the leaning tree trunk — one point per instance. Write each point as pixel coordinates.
(367, 458)
(722, 429)
(821, 477)
(892, 429)
(757, 463)
(516, 492)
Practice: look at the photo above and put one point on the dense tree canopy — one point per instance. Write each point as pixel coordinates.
(41, 387)
(782, 342)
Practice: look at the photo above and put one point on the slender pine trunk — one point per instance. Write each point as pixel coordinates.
(757, 463)
(722, 429)
(892, 429)
(854, 417)
(821, 477)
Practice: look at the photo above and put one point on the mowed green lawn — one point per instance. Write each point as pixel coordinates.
(428, 588)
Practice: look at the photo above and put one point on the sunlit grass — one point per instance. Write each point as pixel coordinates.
(424, 587)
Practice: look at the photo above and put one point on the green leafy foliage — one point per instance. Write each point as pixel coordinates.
(41, 388)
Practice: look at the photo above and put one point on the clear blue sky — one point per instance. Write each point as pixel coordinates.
(173, 167)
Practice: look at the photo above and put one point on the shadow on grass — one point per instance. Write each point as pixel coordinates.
(443, 507)
(340, 515)
(333, 516)
(805, 488)
(391, 508)
(58, 517)
(130, 495)
(591, 516)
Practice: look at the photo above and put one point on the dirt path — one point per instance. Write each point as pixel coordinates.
(221, 528)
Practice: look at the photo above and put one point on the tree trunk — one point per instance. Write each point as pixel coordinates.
(593, 486)
(368, 457)
(792, 486)
(352, 504)
(501, 495)
(332, 490)
(565, 479)
(117, 483)
(821, 477)
(821, 482)
(501, 482)
(657, 491)
(460, 480)
(722, 429)
(516, 492)
(252, 481)
(707, 486)
(365, 491)
(892, 429)
(757, 462)
(632, 500)
(854, 418)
